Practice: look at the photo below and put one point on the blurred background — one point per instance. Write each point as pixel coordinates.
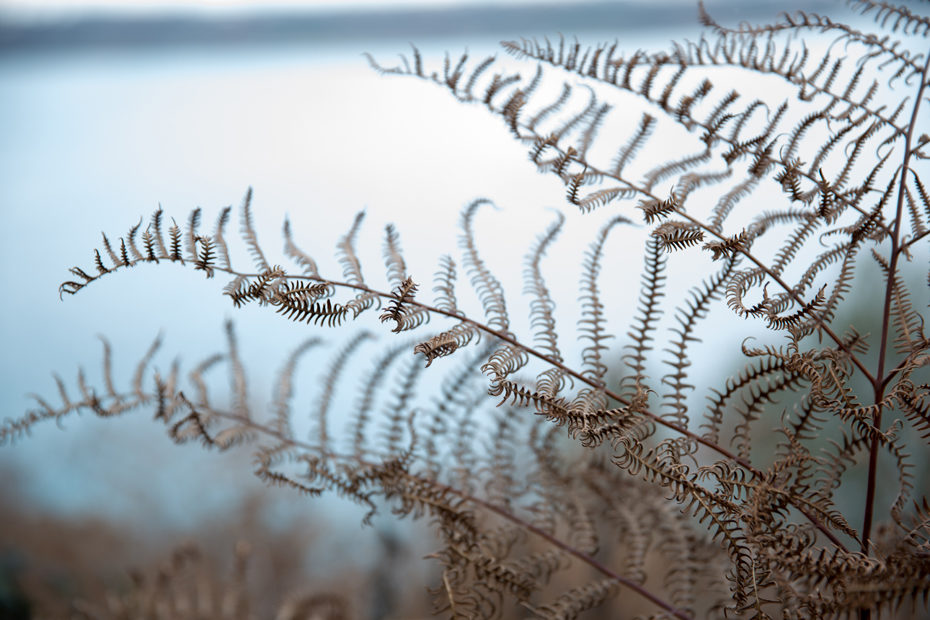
(109, 109)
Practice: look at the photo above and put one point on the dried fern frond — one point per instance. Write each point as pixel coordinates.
(594, 480)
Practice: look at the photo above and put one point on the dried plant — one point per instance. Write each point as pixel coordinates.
(597, 459)
(187, 586)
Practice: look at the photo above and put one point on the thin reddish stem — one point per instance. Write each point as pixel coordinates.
(568, 371)
(879, 382)
(498, 510)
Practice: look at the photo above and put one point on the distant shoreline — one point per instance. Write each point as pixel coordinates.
(115, 31)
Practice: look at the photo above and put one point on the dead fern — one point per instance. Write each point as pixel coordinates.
(559, 501)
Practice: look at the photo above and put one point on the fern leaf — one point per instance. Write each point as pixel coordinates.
(131, 237)
(191, 237)
(447, 342)
(351, 268)
(372, 383)
(157, 240)
(305, 261)
(648, 311)
(284, 388)
(174, 234)
(687, 317)
(489, 290)
(321, 428)
(248, 234)
(393, 259)
(219, 239)
(141, 367)
(541, 307)
(599, 198)
(634, 144)
(570, 604)
(444, 285)
(677, 235)
(316, 312)
(398, 414)
(403, 315)
(592, 325)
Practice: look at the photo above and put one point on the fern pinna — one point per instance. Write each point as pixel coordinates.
(597, 479)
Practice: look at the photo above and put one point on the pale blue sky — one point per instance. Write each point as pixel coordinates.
(95, 140)
(55, 8)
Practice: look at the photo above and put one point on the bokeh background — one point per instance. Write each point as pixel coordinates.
(111, 108)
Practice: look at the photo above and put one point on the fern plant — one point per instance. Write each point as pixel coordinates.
(559, 478)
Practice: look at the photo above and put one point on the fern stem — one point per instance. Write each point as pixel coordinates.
(590, 561)
(498, 510)
(879, 382)
(530, 129)
(765, 268)
(580, 377)
(794, 296)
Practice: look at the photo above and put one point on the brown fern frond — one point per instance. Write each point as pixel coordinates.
(655, 210)
(547, 111)
(498, 83)
(361, 418)
(174, 234)
(730, 245)
(293, 289)
(98, 263)
(489, 289)
(577, 600)
(677, 235)
(592, 324)
(511, 110)
(444, 285)
(345, 250)
(191, 427)
(277, 479)
(330, 380)
(648, 310)
(791, 320)
(393, 259)
(601, 197)
(915, 403)
(398, 413)
(247, 231)
(237, 376)
(156, 246)
(744, 513)
(555, 408)
(131, 240)
(219, 236)
(687, 317)
(447, 342)
(203, 260)
(593, 126)
(898, 16)
(909, 324)
(503, 362)
(404, 316)
(117, 261)
(305, 261)
(190, 236)
(634, 144)
(316, 312)
(284, 388)
(541, 307)
(261, 289)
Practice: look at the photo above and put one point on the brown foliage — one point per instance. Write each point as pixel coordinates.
(729, 508)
